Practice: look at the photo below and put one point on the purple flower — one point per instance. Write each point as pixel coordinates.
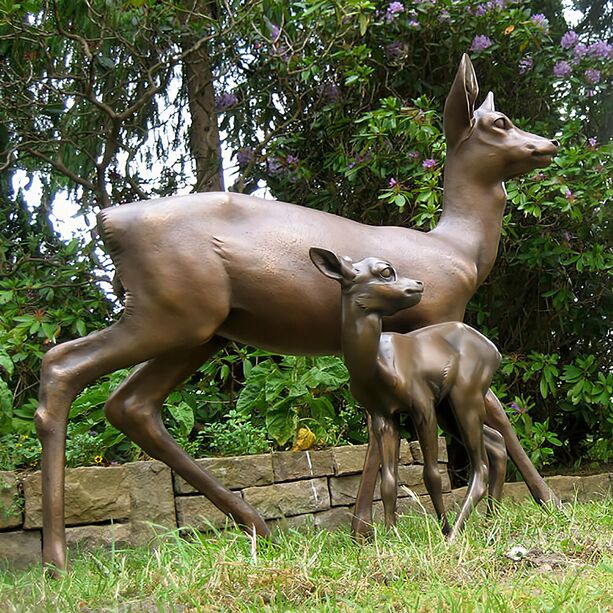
(517, 408)
(569, 40)
(274, 31)
(395, 49)
(225, 101)
(540, 21)
(245, 156)
(393, 10)
(273, 166)
(480, 42)
(525, 64)
(592, 75)
(569, 196)
(413, 23)
(592, 142)
(600, 49)
(393, 182)
(292, 159)
(562, 69)
(480, 10)
(444, 16)
(579, 51)
(331, 92)
(413, 155)
(429, 164)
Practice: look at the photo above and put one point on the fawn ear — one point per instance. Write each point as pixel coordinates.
(460, 103)
(330, 264)
(488, 103)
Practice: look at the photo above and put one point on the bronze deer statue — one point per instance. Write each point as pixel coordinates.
(202, 269)
(412, 373)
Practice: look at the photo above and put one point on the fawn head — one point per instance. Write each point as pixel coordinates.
(485, 141)
(371, 283)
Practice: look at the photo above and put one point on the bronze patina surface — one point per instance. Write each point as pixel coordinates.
(413, 373)
(202, 269)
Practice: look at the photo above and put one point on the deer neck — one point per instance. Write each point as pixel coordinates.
(472, 215)
(361, 333)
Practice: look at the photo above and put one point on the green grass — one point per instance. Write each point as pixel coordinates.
(569, 567)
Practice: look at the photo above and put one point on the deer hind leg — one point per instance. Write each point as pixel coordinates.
(361, 524)
(497, 460)
(470, 412)
(425, 423)
(386, 431)
(135, 409)
(496, 418)
(66, 370)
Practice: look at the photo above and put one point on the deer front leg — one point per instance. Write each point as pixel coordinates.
(497, 460)
(496, 418)
(361, 525)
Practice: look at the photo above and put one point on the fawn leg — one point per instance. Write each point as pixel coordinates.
(496, 418)
(469, 413)
(361, 524)
(386, 430)
(497, 460)
(426, 427)
(135, 409)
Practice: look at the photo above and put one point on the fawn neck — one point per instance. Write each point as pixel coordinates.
(360, 336)
(472, 214)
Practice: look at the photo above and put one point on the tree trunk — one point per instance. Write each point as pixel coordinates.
(204, 132)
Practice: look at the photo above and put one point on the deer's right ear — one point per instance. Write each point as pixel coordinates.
(460, 103)
(327, 263)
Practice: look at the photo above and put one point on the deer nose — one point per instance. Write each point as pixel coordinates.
(555, 143)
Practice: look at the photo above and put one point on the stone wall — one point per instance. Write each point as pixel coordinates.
(128, 504)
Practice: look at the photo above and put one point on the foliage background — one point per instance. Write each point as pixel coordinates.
(334, 105)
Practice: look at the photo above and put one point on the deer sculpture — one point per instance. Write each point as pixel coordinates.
(412, 373)
(202, 269)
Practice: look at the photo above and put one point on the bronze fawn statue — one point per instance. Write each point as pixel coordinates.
(202, 269)
(412, 373)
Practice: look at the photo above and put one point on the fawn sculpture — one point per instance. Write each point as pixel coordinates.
(412, 373)
(202, 269)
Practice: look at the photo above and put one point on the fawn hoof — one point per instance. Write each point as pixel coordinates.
(361, 530)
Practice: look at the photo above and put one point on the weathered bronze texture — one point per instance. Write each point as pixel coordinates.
(204, 268)
(412, 373)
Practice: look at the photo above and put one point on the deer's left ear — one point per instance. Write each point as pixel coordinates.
(488, 103)
(329, 264)
(460, 103)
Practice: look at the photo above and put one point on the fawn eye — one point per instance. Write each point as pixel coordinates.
(387, 273)
(502, 122)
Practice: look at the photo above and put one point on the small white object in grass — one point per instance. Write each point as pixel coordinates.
(517, 553)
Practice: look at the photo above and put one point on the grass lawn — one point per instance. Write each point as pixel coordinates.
(568, 567)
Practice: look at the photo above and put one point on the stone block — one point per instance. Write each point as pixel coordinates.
(406, 456)
(585, 488)
(348, 460)
(11, 501)
(334, 518)
(293, 465)
(343, 490)
(295, 522)
(80, 538)
(411, 478)
(235, 473)
(152, 502)
(200, 513)
(286, 499)
(418, 456)
(93, 494)
(422, 504)
(20, 548)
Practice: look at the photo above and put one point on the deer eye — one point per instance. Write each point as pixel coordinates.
(387, 273)
(502, 123)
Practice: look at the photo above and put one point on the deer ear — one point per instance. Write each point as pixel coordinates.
(327, 263)
(460, 103)
(488, 103)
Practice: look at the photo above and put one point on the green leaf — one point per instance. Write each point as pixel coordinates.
(183, 414)
(6, 405)
(80, 325)
(281, 424)
(6, 362)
